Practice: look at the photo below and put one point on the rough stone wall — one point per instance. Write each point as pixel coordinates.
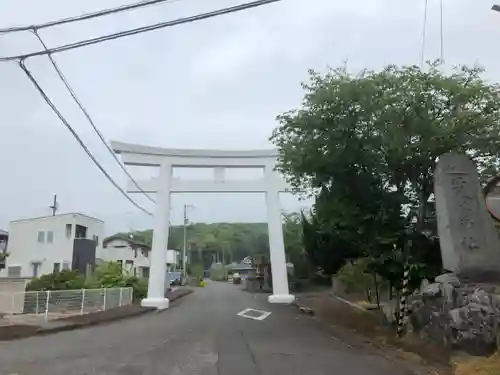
(458, 314)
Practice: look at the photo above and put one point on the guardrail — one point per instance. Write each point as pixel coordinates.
(54, 304)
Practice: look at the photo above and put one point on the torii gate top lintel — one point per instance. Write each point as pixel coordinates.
(140, 155)
(219, 160)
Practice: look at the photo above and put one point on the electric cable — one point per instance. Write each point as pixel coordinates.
(85, 16)
(424, 30)
(21, 62)
(442, 33)
(87, 115)
(142, 29)
(76, 136)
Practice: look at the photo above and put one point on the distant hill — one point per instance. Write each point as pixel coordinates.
(233, 241)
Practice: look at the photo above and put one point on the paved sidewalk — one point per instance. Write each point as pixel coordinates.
(202, 334)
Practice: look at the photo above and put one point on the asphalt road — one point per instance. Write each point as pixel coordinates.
(200, 334)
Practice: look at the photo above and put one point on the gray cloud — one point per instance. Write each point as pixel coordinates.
(214, 84)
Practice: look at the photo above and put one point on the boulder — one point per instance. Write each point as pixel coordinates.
(458, 314)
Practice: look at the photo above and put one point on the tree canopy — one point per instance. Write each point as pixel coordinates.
(366, 146)
(232, 242)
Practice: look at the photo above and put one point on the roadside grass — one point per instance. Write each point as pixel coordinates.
(478, 366)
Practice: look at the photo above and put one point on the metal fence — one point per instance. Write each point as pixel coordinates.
(54, 304)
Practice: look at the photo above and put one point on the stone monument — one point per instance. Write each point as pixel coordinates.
(461, 308)
(470, 244)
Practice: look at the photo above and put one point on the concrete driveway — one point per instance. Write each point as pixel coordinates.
(201, 334)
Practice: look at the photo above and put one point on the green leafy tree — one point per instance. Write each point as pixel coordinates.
(112, 275)
(231, 241)
(369, 143)
(400, 119)
(108, 275)
(294, 245)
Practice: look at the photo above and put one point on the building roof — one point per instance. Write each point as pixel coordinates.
(59, 215)
(124, 237)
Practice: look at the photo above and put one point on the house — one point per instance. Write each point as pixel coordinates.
(48, 244)
(133, 254)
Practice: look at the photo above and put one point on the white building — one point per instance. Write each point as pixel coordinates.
(43, 245)
(133, 255)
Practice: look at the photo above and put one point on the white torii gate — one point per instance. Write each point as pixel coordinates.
(165, 184)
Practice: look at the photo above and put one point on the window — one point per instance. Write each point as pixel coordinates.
(96, 239)
(145, 252)
(65, 265)
(120, 262)
(41, 236)
(14, 271)
(36, 268)
(129, 264)
(80, 231)
(57, 267)
(145, 272)
(50, 237)
(69, 230)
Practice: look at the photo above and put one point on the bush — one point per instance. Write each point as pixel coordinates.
(64, 280)
(139, 286)
(111, 275)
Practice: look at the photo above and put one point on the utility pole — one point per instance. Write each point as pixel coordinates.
(54, 206)
(185, 241)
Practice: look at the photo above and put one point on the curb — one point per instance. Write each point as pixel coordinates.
(74, 326)
(79, 325)
(303, 309)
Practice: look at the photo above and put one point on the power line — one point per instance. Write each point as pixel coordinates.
(21, 61)
(75, 135)
(441, 32)
(424, 30)
(87, 115)
(86, 16)
(143, 29)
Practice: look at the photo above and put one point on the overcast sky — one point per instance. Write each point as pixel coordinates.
(217, 83)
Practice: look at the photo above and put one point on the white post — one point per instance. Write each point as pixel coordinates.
(13, 303)
(281, 293)
(121, 298)
(104, 301)
(83, 302)
(157, 277)
(47, 306)
(37, 302)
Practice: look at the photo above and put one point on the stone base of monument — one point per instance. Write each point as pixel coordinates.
(458, 314)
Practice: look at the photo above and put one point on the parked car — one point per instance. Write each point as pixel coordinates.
(174, 278)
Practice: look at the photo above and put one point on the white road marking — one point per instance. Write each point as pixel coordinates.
(263, 314)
